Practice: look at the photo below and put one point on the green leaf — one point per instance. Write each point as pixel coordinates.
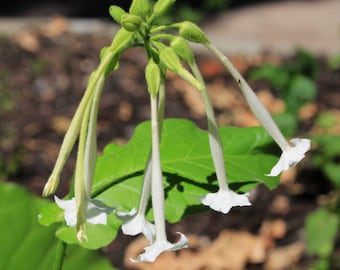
(321, 230)
(186, 163)
(97, 235)
(187, 168)
(49, 214)
(27, 245)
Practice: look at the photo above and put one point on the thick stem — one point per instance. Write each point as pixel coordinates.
(255, 104)
(214, 135)
(59, 255)
(157, 181)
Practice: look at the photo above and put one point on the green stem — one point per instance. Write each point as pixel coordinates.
(214, 135)
(59, 255)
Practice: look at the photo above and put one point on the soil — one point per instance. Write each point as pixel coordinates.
(42, 79)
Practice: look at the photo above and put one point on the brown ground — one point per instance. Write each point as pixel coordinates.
(43, 75)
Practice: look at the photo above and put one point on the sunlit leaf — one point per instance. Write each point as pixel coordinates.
(186, 163)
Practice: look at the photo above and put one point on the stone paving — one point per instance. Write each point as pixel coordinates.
(279, 27)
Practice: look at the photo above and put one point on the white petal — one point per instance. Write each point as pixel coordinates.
(95, 213)
(134, 224)
(292, 156)
(65, 204)
(153, 251)
(69, 207)
(224, 200)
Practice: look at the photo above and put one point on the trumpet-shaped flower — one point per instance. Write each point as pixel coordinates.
(154, 250)
(96, 212)
(135, 223)
(291, 156)
(224, 200)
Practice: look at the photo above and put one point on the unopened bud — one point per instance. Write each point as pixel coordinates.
(192, 32)
(161, 6)
(170, 59)
(131, 22)
(140, 8)
(116, 13)
(153, 77)
(182, 49)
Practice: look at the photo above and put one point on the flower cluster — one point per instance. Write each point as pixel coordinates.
(165, 52)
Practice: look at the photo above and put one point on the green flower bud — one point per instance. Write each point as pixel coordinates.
(161, 6)
(183, 50)
(122, 39)
(172, 62)
(153, 77)
(116, 13)
(131, 22)
(170, 59)
(140, 8)
(192, 32)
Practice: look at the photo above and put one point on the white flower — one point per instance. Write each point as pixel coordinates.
(96, 212)
(154, 250)
(135, 223)
(291, 156)
(224, 200)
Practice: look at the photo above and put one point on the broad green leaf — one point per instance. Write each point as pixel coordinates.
(187, 169)
(186, 163)
(27, 245)
(321, 231)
